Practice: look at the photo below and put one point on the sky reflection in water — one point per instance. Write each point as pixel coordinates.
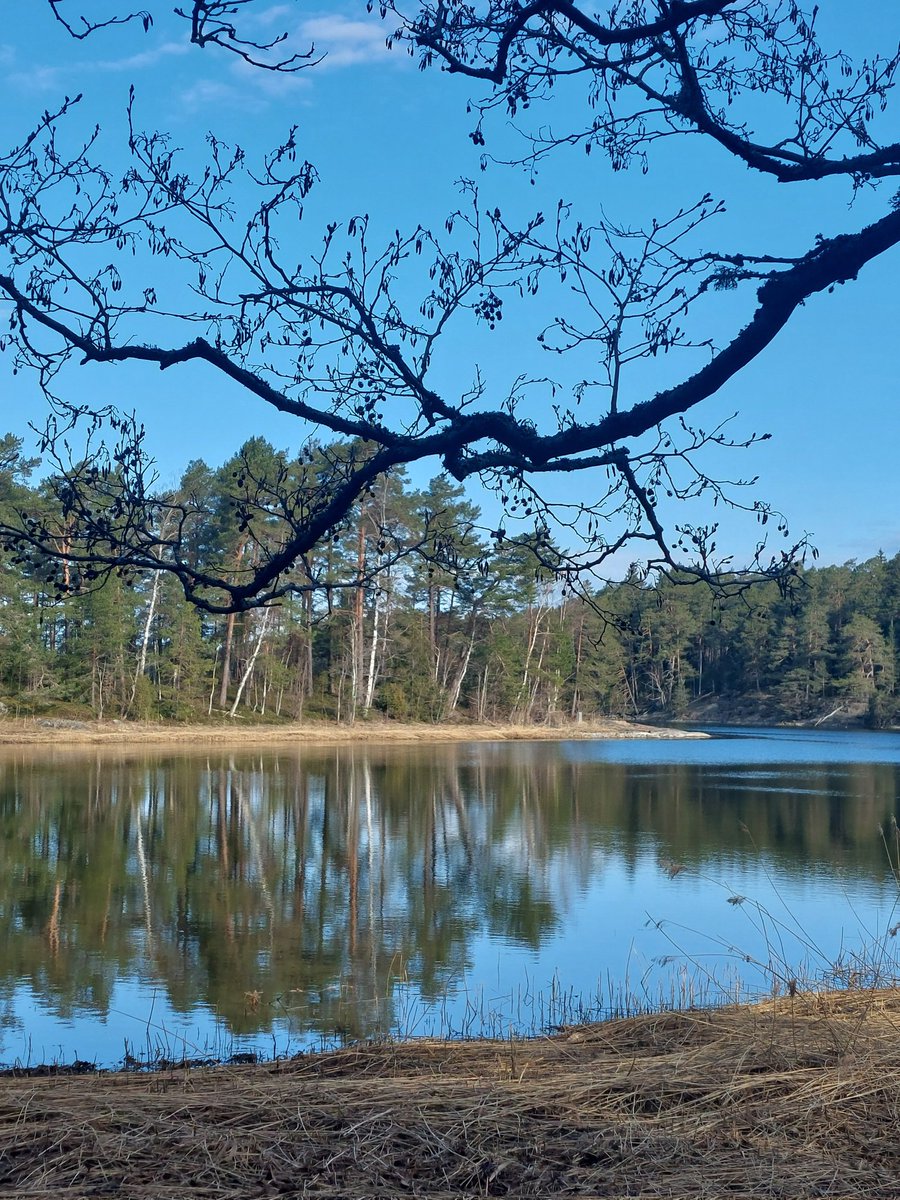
(221, 902)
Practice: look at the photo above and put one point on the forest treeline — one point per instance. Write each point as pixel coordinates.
(469, 626)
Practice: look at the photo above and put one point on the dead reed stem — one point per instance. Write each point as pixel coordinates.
(795, 1097)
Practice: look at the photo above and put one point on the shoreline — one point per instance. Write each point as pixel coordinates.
(66, 734)
(794, 1096)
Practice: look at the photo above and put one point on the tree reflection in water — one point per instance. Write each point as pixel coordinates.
(303, 887)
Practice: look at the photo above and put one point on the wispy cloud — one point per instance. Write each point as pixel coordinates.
(47, 78)
(249, 89)
(275, 85)
(338, 42)
(37, 79)
(278, 12)
(332, 40)
(147, 58)
(345, 42)
(206, 94)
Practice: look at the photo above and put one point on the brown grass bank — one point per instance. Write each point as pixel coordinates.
(57, 732)
(791, 1098)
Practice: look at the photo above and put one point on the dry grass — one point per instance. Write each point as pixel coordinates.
(71, 734)
(796, 1097)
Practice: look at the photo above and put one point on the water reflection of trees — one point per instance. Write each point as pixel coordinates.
(305, 886)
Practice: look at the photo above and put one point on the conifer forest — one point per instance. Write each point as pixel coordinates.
(443, 620)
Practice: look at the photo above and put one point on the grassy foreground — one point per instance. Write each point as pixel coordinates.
(55, 732)
(794, 1097)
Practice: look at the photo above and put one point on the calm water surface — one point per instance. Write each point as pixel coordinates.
(218, 903)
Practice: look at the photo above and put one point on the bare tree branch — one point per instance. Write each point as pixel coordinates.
(678, 68)
(210, 23)
(343, 328)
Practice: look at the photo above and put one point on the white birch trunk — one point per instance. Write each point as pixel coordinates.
(252, 663)
(145, 638)
(453, 698)
(532, 642)
(373, 651)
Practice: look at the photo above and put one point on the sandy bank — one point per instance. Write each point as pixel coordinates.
(794, 1097)
(57, 732)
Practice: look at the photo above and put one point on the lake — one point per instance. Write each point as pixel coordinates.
(212, 903)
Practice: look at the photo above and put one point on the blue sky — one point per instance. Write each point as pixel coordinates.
(390, 140)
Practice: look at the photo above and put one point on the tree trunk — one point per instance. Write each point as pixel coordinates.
(357, 639)
(226, 660)
(373, 652)
(576, 685)
(456, 686)
(252, 663)
(145, 638)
